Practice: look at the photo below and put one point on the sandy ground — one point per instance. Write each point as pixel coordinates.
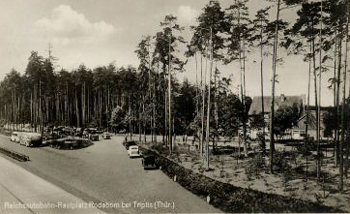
(243, 173)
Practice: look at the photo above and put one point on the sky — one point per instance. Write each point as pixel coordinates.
(96, 33)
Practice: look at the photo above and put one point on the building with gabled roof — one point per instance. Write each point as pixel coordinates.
(301, 125)
(299, 130)
(281, 100)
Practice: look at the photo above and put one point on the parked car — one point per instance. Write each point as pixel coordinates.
(15, 137)
(123, 131)
(133, 151)
(67, 143)
(57, 132)
(130, 143)
(91, 134)
(30, 139)
(68, 131)
(106, 135)
(149, 162)
(79, 132)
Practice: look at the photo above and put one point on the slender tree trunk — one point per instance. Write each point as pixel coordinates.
(348, 131)
(244, 106)
(316, 105)
(197, 100)
(308, 95)
(165, 112)
(208, 105)
(83, 89)
(274, 70)
(262, 85)
(107, 107)
(139, 120)
(154, 115)
(197, 96)
(203, 109)
(47, 110)
(242, 85)
(169, 91)
(335, 89)
(66, 112)
(100, 105)
(77, 108)
(31, 109)
(40, 108)
(35, 108)
(130, 124)
(88, 106)
(13, 109)
(144, 119)
(342, 143)
(154, 107)
(319, 161)
(24, 120)
(57, 106)
(150, 88)
(216, 137)
(338, 100)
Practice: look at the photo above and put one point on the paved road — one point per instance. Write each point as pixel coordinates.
(18, 195)
(103, 172)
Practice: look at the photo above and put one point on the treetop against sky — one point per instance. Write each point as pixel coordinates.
(97, 33)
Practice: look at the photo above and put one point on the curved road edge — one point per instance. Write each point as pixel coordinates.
(23, 192)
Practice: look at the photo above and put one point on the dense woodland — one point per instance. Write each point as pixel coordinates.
(150, 100)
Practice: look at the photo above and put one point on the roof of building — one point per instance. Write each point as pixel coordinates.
(323, 108)
(281, 100)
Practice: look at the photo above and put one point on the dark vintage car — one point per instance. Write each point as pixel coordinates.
(57, 132)
(68, 143)
(149, 162)
(79, 132)
(91, 134)
(130, 143)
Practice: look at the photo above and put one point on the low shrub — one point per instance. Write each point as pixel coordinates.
(230, 198)
(5, 132)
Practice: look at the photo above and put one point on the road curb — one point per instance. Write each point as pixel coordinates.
(14, 155)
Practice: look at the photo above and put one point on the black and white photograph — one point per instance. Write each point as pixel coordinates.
(174, 106)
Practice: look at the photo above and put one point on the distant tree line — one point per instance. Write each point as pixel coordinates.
(104, 97)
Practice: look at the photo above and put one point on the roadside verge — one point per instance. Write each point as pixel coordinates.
(233, 199)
